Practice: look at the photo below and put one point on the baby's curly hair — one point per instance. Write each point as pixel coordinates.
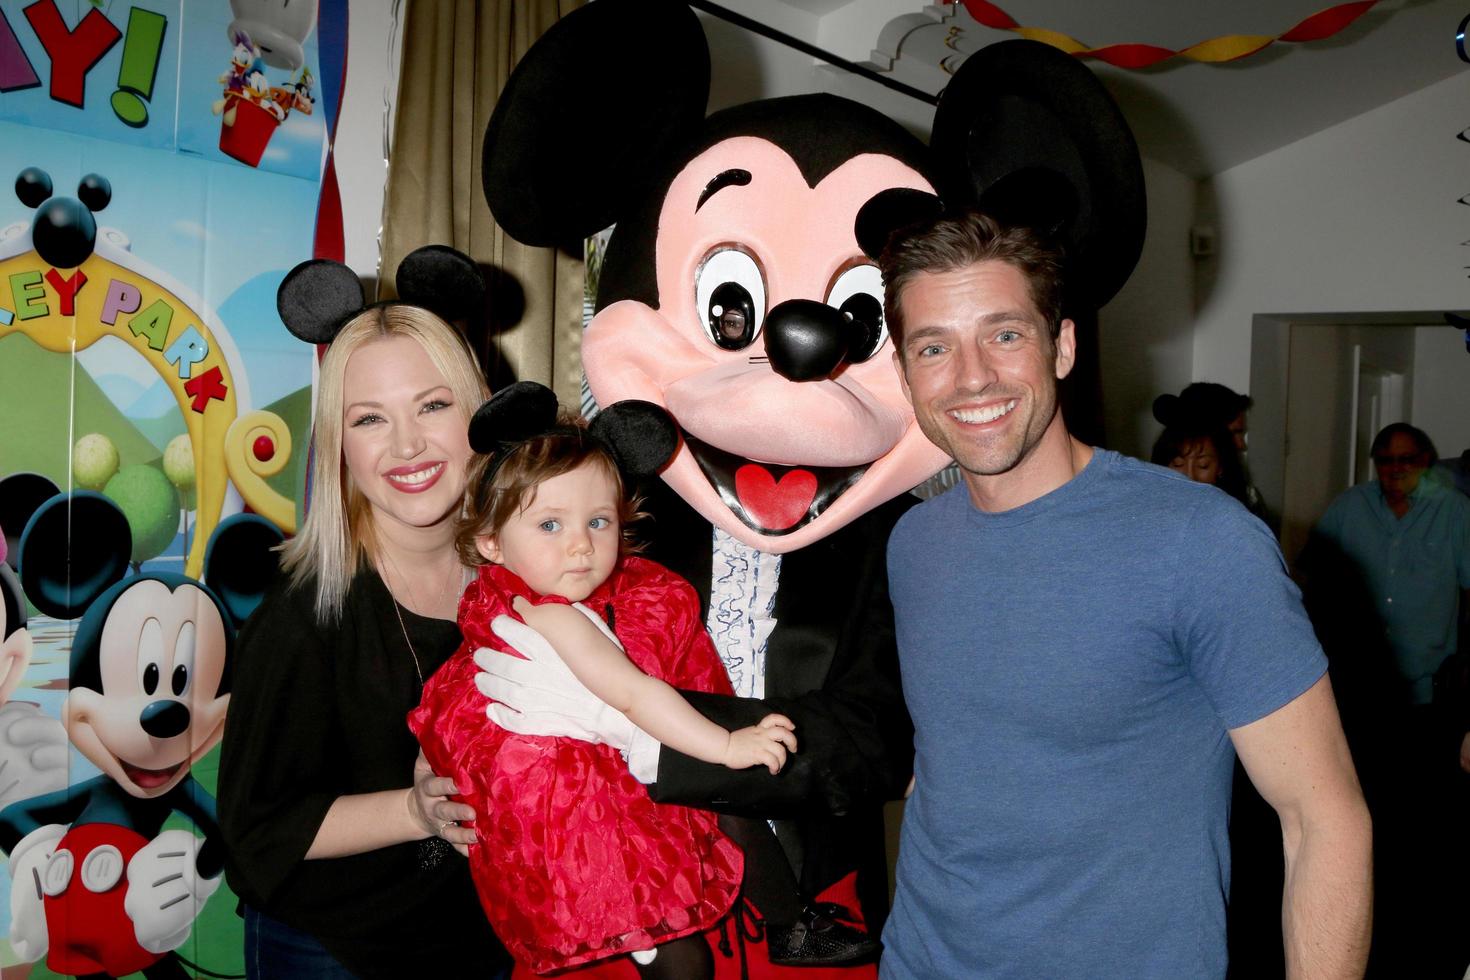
(496, 497)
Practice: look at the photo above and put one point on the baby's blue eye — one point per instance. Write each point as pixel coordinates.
(598, 523)
(550, 526)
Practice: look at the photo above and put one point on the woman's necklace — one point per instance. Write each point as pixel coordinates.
(418, 667)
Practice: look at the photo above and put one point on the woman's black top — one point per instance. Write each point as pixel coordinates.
(317, 712)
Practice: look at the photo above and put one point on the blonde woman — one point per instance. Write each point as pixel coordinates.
(341, 845)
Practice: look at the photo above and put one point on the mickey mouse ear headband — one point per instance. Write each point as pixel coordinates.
(319, 296)
(1202, 403)
(639, 436)
(1030, 136)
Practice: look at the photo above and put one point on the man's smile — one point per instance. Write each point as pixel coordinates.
(988, 413)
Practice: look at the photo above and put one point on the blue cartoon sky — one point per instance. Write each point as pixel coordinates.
(225, 233)
(194, 52)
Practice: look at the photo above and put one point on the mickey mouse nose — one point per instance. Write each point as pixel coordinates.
(165, 719)
(805, 340)
(64, 232)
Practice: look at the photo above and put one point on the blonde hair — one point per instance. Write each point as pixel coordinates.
(337, 536)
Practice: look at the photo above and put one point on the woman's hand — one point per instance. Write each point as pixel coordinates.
(434, 813)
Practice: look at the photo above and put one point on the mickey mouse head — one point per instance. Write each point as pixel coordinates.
(150, 659)
(740, 288)
(64, 231)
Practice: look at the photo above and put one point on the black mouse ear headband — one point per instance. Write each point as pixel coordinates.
(319, 296)
(639, 436)
(1029, 135)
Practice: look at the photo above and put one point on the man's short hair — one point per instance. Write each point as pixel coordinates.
(1422, 442)
(958, 239)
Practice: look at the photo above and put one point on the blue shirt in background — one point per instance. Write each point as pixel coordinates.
(1413, 566)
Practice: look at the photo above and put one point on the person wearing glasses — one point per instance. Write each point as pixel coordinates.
(1388, 568)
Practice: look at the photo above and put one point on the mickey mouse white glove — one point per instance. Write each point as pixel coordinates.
(165, 890)
(28, 861)
(541, 696)
(34, 748)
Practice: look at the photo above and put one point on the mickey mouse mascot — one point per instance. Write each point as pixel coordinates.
(740, 292)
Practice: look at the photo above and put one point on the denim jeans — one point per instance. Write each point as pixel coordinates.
(276, 951)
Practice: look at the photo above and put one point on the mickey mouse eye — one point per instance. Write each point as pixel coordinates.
(858, 296)
(730, 293)
(150, 655)
(183, 660)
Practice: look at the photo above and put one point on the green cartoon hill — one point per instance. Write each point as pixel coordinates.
(39, 428)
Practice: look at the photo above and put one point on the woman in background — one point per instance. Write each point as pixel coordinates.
(1204, 454)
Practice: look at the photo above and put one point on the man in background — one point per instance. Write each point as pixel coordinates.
(1388, 569)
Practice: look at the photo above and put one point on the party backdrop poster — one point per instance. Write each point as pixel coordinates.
(163, 165)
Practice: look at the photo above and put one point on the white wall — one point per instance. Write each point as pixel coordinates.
(1319, 415)
(1442, 388)
(373, 33)
(745, 66)
(1359, 217)
(1146, 340)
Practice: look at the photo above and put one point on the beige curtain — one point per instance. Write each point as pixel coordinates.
(457, 55)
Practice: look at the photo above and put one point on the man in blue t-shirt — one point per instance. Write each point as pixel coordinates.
(1087, 642)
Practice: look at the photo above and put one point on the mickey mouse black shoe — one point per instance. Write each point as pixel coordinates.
(819, 939)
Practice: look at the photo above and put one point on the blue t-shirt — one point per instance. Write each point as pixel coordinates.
(1073, 667)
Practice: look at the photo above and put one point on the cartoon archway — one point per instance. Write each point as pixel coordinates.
(69, 310)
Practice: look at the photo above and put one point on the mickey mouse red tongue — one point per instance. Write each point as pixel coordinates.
(149, 778)
(736, 417)
(771, 499)
(775, 504)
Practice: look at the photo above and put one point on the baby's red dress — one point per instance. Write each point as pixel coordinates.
(574, 862)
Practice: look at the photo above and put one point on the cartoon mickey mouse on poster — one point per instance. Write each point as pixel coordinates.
(98, 886)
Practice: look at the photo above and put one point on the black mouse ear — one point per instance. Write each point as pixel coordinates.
(12, 602)
(513, 414)
(443, 281)
(890, 210)
(1029, 135)
(640, 435)
(240, 563)
(62, 580)
(95, 191)
(317, 298)
(626, 82)
(33, 186)
(1166, 410)
(21, 495)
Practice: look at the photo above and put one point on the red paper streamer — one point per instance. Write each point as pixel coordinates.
(1229, 47)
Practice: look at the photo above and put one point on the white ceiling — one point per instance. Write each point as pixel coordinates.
(1200, 118)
